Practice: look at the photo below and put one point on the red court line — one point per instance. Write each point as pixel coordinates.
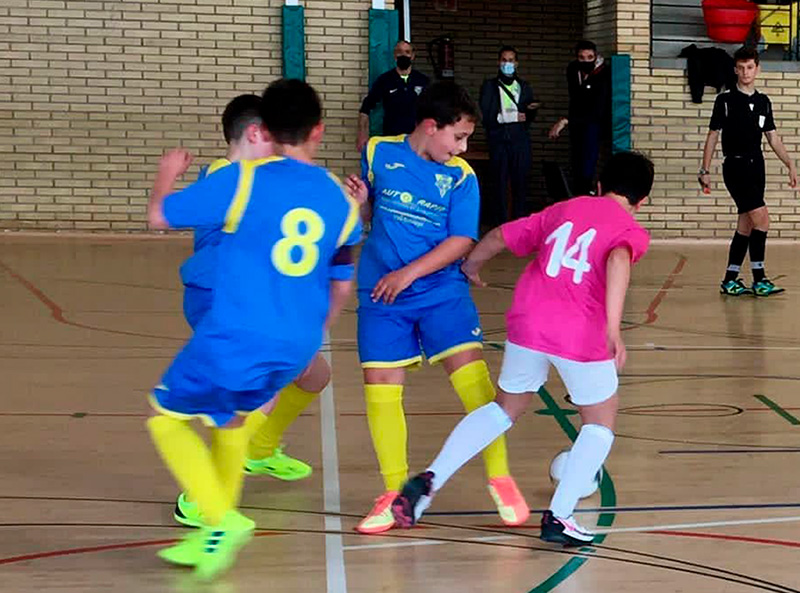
(733, 538)
(97, 549)
(57, 312)
(654, 304)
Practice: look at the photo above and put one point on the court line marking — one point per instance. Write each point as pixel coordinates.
(335, 572)
(777, 409)
(678, 526)
(428, 542)
(733, 538)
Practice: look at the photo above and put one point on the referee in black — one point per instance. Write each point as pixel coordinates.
(743, 115)
(397, 90)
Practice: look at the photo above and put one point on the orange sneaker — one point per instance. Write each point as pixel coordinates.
(380, 518)
(511, 506)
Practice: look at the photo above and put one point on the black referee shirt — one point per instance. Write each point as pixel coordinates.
(742, 118)
(399, 98)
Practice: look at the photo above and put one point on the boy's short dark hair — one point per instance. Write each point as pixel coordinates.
(628, 174)
(241, 112)
(290, 109)
(506, 48)
(585, 44)
(446, 102)
(745, 54)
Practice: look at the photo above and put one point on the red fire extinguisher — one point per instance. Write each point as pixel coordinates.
(441, 53)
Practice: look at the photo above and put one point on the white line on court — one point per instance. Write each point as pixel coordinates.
(334, 548)
(426, 542)
(696, 525)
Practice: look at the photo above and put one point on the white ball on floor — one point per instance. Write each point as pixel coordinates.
(557, 469)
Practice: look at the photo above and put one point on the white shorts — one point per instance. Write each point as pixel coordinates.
(587, 383)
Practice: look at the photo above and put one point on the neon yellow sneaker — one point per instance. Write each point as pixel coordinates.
(185, 553)
(187, 512)
(511, 505)
(380, 518)
(221, 543)
(278, 465)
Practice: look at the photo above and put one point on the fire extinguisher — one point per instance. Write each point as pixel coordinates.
(441, 53)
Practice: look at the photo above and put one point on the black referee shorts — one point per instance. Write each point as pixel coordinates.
(745, 179)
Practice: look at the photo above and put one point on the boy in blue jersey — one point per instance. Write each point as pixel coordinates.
(247, 139)
(284, 264)
(413, 298)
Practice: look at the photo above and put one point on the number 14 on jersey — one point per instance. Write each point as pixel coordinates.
(563, 256)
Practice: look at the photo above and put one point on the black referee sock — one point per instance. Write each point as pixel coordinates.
(736, 255)
(758, 250)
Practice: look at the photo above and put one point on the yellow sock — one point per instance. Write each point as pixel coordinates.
(254, 421)
(228, 446)
(291, 402)
(191, 463)
(474, 386)
(387, 425)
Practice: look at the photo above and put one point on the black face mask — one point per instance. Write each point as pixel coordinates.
(403, 62)
(586, 67)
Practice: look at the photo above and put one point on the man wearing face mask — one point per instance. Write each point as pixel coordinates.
(589, 85)
(507, 106)
(397, 90)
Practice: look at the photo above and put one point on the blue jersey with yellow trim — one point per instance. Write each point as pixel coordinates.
(416, 205)
(282, 221)
(198, 270)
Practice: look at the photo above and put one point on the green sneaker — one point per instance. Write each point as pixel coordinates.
(734, 287)
(221, 544)
(185, 553)
(765, 287)
(187, 512)
(278, 465)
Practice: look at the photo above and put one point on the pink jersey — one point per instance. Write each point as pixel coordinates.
(559, 303)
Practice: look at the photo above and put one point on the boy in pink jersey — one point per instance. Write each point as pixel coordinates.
(566, 312)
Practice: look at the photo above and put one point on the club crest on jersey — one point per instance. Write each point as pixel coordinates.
(444, 183)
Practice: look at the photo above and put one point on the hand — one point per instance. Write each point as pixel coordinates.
(521, 117)
(705, 182)
(471, 271)
(617, 348)
(556, 130)
(534, 106)
(357, 188)
(175, 162)
(792, 178)
(392, 285)
(361, 142)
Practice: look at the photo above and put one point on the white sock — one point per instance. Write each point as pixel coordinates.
(585, 459)
(473, 434)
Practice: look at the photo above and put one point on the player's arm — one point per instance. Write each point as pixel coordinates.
(618, 275)
(367, 105)
(342, 272)
(777, 146)
(172, 165)
(708, 154)
(492, 244)
(445, 253)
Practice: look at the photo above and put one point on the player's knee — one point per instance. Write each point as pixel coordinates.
(315, 377)
(513, 404)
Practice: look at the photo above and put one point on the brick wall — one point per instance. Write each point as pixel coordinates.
(668, 126)
(600, 25)
(544, 32)
(91, 92)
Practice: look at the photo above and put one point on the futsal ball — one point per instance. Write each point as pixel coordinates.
(557, 469)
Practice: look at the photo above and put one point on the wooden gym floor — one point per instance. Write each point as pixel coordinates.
(701, 492)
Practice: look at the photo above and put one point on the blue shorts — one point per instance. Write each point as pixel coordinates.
(187, 391)
(196, 303)
(391, 337)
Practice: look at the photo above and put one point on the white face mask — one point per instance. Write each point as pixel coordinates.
(508, 68)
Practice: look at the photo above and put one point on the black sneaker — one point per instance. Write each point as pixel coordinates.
(413, 499)
(566, 532)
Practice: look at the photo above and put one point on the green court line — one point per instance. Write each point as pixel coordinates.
(777, 409)
(608, 498)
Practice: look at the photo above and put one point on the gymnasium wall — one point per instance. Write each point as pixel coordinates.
(91, 93)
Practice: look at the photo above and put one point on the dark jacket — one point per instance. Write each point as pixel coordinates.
(399, 99)
(590, 96)
(710, 66)
(490, 108)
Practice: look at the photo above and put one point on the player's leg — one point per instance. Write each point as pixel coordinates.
(457, 344)
(387, 344)
(523, 372)
(499, 165)
(520, 165)
(265, 455)
(759, 218)
(738, 184)
(592, 387)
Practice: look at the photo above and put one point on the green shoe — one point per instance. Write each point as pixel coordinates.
(765, 287)
(187, 512)
(733, 287)
(185, 553)
(278, 465)
(221, 543)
